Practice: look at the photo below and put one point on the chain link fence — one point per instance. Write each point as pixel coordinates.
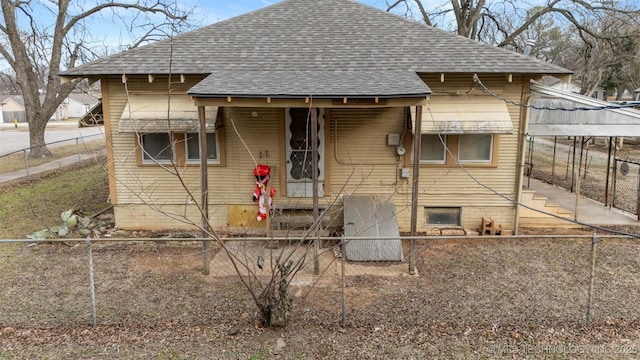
(626, 188)
(468, 284)
(558, 161)
(18, 163)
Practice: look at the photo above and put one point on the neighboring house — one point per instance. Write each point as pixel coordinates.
(74, 106)
(572, 87)
(12, 108)
(260, 79)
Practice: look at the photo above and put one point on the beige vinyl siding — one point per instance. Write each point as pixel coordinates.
(230, 184)
(453, 186)
(453, 182)
(234, 183)
(362, 161)
(357, 160)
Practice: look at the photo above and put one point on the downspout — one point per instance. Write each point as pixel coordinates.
(522, 134)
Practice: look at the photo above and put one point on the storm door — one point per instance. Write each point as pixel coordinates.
(299, 152)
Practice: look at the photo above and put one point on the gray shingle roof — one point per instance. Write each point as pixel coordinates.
(315, 37)
(296, 83)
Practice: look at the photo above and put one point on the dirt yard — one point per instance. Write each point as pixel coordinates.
(472, 299)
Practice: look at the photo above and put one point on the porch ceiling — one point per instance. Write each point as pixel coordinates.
(311, 84)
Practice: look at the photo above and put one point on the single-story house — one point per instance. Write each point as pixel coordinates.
(12, 108)
(74, 106)
(571, 87)
(374, 83)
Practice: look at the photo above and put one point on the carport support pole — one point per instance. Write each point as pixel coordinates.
(204, 189)
(573, 166)
(606, 184)
(575, 210)
(594, 244)
(417, 144)
(314, 175)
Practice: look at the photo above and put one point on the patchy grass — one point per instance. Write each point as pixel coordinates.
(36, 203)
(16, 162)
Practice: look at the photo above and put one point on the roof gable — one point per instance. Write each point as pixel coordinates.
(312, 35)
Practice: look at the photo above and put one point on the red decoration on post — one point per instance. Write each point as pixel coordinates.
(261, 172)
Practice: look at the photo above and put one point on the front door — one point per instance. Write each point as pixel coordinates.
(299, 152)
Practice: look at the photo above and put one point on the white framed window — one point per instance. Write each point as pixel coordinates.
(432, 149)
(192, 148)
(156, 147)
(439, 216)
(475, 148)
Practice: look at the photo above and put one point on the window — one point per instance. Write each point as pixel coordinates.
(432, 150)
(475, 148)
(193, 148)
(469, 149)
(442, 216)
(156, 147)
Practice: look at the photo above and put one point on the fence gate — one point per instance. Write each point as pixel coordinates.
(626, 187)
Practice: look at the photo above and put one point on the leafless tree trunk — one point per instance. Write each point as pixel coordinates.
(36, 53)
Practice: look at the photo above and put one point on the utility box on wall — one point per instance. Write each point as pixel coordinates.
(393, 139)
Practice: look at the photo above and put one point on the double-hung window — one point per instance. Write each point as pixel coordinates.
(167, 129)
(192, 147)
(475, 148)
(156, 147)
(433, 150)
(462, 130)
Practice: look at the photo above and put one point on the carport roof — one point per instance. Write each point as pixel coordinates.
(607, 121)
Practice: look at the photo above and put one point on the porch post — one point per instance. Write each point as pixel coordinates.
(314, 175)
(204, 188)
(417, 143)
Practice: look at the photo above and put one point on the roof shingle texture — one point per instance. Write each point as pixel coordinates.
(315, 36)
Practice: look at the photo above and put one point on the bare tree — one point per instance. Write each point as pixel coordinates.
(8, 84)
(37, 51)
(503, 22)
(599, 40)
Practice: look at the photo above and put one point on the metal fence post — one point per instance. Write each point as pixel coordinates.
(26, 160)
(343, 300)
(92, 288)
(78, 148)
(594, 244)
